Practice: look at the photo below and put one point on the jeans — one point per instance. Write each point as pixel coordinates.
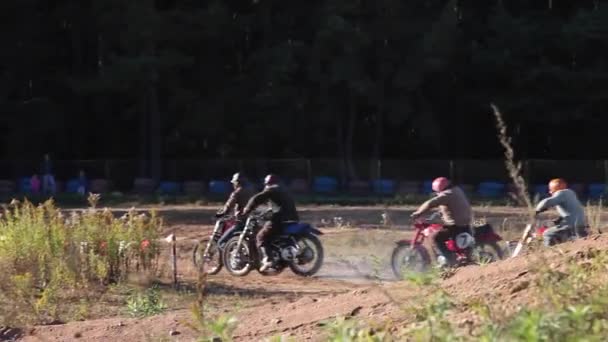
(564, 232)
(437, 241)
(48, 184)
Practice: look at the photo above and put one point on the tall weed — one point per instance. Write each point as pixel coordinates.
(47, 256)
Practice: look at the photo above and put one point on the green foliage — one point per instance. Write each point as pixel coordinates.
(343, 330)
(146, 304)
(46, 255)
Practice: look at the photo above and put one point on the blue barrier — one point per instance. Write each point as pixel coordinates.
(427, 187)
(168, 188)
(491, 189)
(541, 189)
(325, 185)
(219, 187)
(597, 190)
(72, 185)
(384, 186)
(25, 185)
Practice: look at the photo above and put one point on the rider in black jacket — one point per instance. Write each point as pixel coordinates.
(284, 211)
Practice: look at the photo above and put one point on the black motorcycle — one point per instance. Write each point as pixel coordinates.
(297, 246)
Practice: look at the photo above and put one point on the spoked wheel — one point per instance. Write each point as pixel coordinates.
(212, 264)
(309, 257)
(486, 253)
(406, 259)
(237, 262)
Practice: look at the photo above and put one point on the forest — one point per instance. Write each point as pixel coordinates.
(344, 79)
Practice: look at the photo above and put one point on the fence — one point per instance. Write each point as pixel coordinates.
(123, 172)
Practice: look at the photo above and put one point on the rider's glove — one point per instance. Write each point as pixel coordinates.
(415, 215)
(219, 214)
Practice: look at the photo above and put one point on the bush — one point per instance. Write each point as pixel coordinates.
(47, 256)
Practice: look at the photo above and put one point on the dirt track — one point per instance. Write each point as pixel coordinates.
(290, 305)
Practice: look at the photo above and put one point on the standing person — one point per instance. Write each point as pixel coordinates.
(48, 180)
(82, 183)
(572, 221)
(455, 212)
(35, 184)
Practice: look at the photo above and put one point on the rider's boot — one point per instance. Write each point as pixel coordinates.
(266, 262)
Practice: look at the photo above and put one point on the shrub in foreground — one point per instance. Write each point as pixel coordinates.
(49, 258)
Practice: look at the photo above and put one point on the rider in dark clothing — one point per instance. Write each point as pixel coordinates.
(237, 201)
(284, 211)
(238, 198)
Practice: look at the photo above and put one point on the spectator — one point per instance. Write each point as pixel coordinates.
(35, 184)
(48, 180)
(82, 183)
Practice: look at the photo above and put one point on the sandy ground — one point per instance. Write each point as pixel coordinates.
(301, 307)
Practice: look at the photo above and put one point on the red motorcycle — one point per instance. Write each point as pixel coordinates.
(412, 255)
(208, 251)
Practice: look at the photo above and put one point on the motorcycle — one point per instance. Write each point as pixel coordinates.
(296, 246)
(467, 248)
(207, 254)
(535, 232)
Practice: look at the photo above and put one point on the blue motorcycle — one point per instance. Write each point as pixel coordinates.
(297, 246)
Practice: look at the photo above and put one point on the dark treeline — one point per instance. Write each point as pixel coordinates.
(346, 79)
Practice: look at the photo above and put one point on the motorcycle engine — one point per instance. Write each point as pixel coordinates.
(288, 253)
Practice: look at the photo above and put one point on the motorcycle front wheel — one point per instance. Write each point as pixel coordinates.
(213, 263)
(406, 259)
(237, 262)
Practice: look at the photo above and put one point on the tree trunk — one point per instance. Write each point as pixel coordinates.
(350, 133)
(155, 133)
(143, 137)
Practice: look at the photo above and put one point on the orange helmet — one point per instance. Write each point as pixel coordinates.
(557, 184)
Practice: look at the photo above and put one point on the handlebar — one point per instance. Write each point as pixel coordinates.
(430, 218)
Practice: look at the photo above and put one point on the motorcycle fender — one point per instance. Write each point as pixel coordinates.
(315, 231)
(489, 237)
(406, 243)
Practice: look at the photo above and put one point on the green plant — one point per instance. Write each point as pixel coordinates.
(344, 330)
(46, 255)
(146, 304)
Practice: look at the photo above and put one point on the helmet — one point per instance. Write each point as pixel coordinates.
(237, 178)
(271, 180)
(439, 184)
(557, 184)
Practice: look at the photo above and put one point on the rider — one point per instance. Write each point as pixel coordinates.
(237, 201)
(239, 196)
(572, 219)
(284, 211)
(455, 211)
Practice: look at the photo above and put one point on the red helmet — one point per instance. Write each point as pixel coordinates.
(439, 184)
(271, 180)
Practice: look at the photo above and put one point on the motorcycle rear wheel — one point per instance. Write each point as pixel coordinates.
(310, 241)
(489, 252)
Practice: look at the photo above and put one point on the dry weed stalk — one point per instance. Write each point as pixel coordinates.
(513, 167)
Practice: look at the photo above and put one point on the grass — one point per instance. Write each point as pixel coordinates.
(50, 261)
(148, 303)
